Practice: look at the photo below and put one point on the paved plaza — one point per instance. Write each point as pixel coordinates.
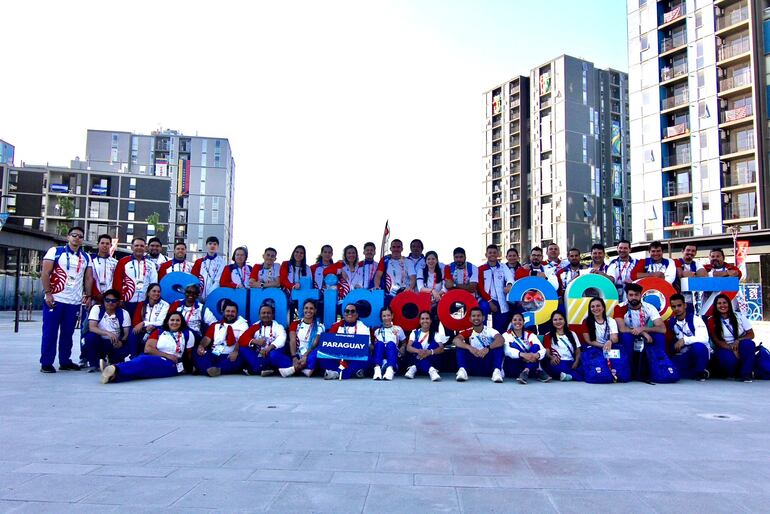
(252, 444)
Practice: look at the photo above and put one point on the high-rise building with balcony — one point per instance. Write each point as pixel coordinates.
(699, 121)
(506, 165)
(579, 153)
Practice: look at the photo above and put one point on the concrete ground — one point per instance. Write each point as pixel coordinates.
(250, 444)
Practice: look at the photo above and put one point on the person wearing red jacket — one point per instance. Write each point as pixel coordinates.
(655, 265)
(177, 263)
(294, 269)
(236, 275)
(268, 273)
(133, 275)
(262, 346)
(217, 353)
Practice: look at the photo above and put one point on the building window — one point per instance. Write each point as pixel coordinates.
(703, 110)
(130, 228)
(203, 181)
(132, 182)
(699, 55)
(643, 41)
(131, 206)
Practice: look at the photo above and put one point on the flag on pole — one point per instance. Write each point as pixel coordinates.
(740, 256)
(342, 367)
(385, 239)
(114, 243)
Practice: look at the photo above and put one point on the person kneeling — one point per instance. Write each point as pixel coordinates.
(217, 353)
(262, 346)
(107, 335)
(479, 349)
(162, 357)
(524, 353)
(424, 346)
(691, 346)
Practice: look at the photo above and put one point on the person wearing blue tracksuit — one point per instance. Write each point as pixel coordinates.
(107, 336)
(479, 350)
(304, 335)
(523, 353)
(563, 361)
(640, 325)
(217, 353)
(733, 337)
(388, 339)
(163, 354)
(691, 340)
(601, 335)
(67, 278)
(262, 346)
(350, 324)
(424, 347)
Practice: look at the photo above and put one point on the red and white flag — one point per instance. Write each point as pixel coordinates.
(385, 238)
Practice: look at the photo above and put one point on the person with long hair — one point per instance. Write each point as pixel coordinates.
(563, 347)
(348, 271)
(387, 341)
(148, 316)
(304, 335)
(601, 330)
(324, 260)
(236, 275)
(430, 278)
(294, 269)
(733, 337)
(163, 355)
(424, 346)
(523, 353)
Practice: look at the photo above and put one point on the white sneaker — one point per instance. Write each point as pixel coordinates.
(307, 372)
(565, 377)
(410, 372)
(434, 376)
(286, 372)
(461, 375)
(267, 372)
(331, 375)
(102, 364)
(497, 377)
(389, 373)
(377, 373)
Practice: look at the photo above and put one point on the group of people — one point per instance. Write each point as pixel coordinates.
(131, 332)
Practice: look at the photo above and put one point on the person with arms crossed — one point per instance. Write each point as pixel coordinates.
(395, 273)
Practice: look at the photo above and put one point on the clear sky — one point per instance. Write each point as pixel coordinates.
(341, 114)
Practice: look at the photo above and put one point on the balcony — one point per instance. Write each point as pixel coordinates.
(675, 101)
(496, 121)
(734, 17)
(497, 134)
(732, 49)
(497, 160)
(745, 144)
(545, 103)
(676, 188)
(677, 218)
(680, 129)
(740, 177)
(682, 159)
(740, 79)
(674, 14)
(739, 210)
(671, 73)
(737, 114)
(670, 43)
(497, 199)
(496, 213)
(515, 140)
(496, 173)
(497, 147)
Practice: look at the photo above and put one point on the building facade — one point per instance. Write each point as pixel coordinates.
(6, 153)
(506, 165)
(125, 180)
(699, 123)
(580, 191)
(201, 172)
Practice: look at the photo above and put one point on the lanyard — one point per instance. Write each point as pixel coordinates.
(104, 268)
(492, 288)
(519, 340)
(154, 312)
(262, 332)
(307, 334)
(178, 337)
(365, 273)
(80, 260)
(190, 313)
(606, 326)
(563, 339)
(345, 328)
(626, 266)
(242, 274)
(383, 333)
(726, 323)
(209, 268)
(402, 262)
(423, 338)
(683, 328)
(642, 319)
(179, 264)
(465, 275)
(136, 268)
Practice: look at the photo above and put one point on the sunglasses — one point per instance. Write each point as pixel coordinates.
(110, 300)
(350, 311)
(76, 235)
(191, 293)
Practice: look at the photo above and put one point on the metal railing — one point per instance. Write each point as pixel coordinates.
(672, 73)
(729, 147)
(675, 101)
(674, 188)
(739, 178)
(677, 130)
(739, 79)
(738, 113)
(670, 43)
(676, 160)
(733, 17)
(733, 49)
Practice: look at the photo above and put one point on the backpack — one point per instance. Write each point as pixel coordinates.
(596, 368)
(662, 370)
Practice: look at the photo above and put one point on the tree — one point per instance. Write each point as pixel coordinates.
(153, 220)
(67, 209)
